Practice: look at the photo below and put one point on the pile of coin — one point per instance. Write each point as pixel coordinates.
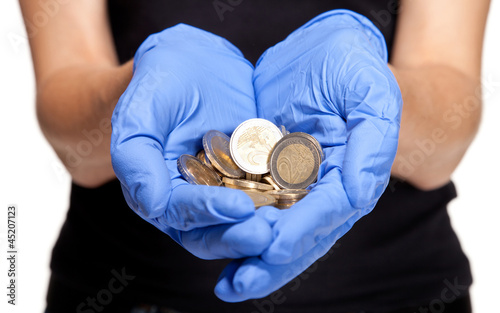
(271, 165)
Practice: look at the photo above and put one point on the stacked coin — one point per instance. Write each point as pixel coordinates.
(272, 165)
(244, 184)
(285, 198)
(260, 199)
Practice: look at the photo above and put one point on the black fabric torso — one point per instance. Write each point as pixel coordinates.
(251, 25)
(404, 253)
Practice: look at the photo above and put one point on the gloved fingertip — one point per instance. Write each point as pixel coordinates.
(248, 238)
(270, 214)
(253, 279)
(224, 288)
(261, 236)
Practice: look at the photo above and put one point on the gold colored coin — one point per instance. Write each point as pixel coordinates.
(246, 184)
(216, 145)
(203, 158)
(260, 199)
(200, 155)
(197, 173)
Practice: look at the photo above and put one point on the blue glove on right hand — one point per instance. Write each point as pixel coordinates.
(186, 81)
(329, 78)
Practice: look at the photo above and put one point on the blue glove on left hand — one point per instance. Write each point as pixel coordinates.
(186, 81)
(330, 79)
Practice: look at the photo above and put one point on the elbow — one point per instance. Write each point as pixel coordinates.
(56, 106)
(427, 167)
(92, 177)
(85, 155)
(429, 183)
(85, 170)
(424, 177)
(427, 172)
(41, 107)
(46, 113)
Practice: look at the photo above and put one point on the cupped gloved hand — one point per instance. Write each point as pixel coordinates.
(186, 81)
(330, 79)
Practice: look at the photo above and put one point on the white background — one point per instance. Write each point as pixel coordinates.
(32, 177)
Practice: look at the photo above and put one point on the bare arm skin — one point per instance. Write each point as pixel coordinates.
(79, 82)
(437, 62)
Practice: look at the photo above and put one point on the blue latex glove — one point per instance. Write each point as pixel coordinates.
(186, 81)
(330, 79)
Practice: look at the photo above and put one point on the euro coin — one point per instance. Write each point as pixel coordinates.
(312, 139)
(203, 158)
(295, 161)
(282, 206)
(216, 145)
(200, 155)
(246, 184)
(251, 144)
(287, 195)
(285, 198)
(197, 173)
(260, 199)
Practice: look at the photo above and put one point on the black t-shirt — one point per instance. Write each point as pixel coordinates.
(107, 259)
(251, 25)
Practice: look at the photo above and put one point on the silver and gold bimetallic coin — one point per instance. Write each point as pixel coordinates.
(245, 184)
(295, 161)
(251, 145)
(216, 145)
(202, 156)
(313, 140)
(260, 199)
(197, 173)
(257, 147)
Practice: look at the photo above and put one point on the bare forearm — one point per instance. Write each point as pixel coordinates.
(74, 108)
(441, 114)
